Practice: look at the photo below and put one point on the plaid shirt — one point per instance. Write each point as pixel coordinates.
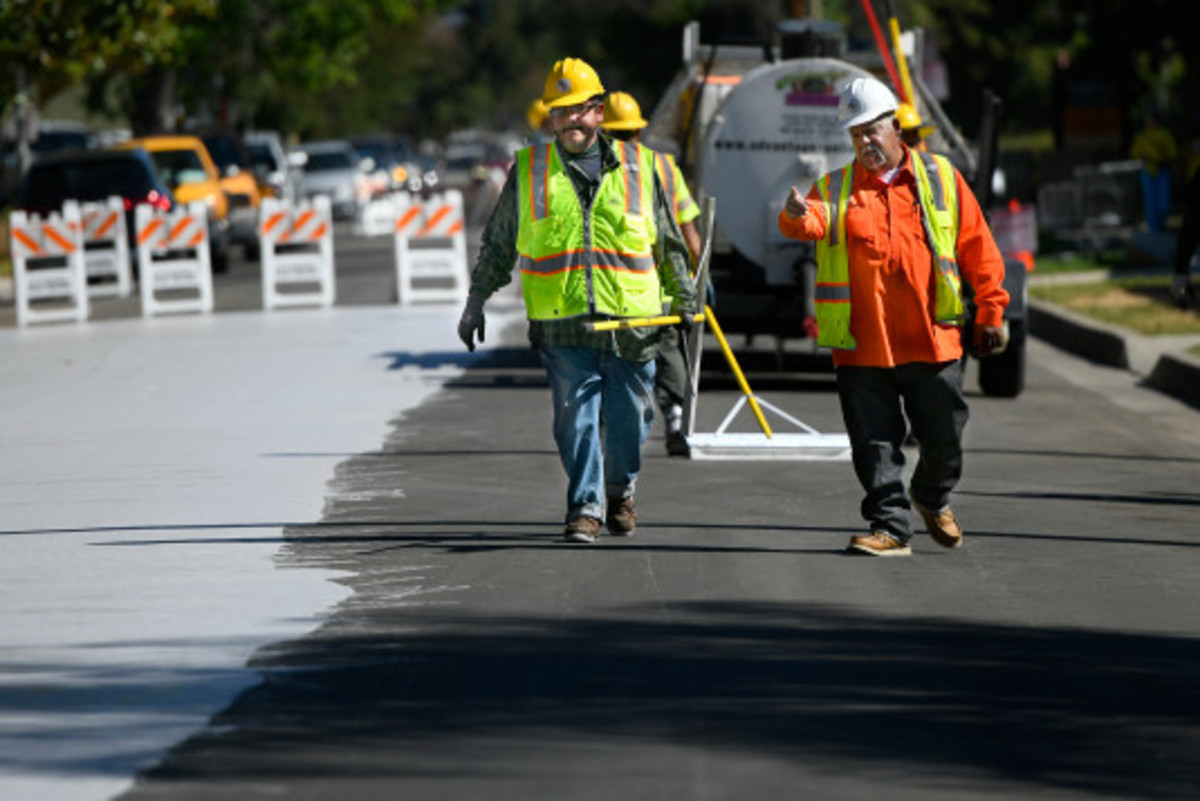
(498, 256)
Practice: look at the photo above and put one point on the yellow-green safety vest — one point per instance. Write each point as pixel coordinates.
(602, 263)
(681, 200)
(939, 216)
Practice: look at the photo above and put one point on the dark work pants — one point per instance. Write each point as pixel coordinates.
(671, 376)
(875, 402)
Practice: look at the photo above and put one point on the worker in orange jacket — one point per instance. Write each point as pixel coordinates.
(897, 231)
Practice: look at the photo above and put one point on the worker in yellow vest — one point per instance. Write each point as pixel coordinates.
(588, 224)
(897, 231)
(623, 121)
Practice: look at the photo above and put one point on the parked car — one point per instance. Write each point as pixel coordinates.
(396, 164)
(333, 168)
(276, 178)
(92, 176)
(240, 186)
(186, 167)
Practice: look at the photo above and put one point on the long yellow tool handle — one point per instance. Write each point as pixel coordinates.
(711, 319)
(901, 61)
(640, 322)
(737, 371)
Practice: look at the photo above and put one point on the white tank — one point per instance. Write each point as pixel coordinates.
(777, 128)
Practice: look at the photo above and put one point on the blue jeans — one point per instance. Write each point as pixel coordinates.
(875, 402)
(603, 407)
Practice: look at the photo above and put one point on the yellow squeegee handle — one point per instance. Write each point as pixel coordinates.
(737, 371)
(639, 322)
(674, 319)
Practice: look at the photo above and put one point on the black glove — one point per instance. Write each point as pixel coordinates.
(472, 321)
(686, 324)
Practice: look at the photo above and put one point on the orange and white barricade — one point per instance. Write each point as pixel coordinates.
(174, 260)
(296, 243)
(49, 276)
(106, 249)
(431, 248)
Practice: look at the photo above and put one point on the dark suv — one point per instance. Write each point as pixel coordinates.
(95, 175)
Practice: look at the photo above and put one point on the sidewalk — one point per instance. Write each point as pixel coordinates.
(1163, 362)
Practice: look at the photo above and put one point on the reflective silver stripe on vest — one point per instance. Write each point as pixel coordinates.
(932, 172)
(633, 177)
(835, 200)
(668, 181)
(539, 181)
(935, 179)
(832, 293)
(577, 260)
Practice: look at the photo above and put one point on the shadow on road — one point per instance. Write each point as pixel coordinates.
(876, 695)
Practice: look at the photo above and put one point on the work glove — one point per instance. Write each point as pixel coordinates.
(472, 321)
(990, 339)
(1182, 294)
(686, 324)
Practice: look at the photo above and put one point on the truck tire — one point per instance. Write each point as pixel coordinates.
(1002, 375)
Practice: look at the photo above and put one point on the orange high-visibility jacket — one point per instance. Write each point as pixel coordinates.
(891, 269)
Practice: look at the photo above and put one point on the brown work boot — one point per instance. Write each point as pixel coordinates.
(941, 526)
(582, 529)
(621, 517)
(877, 543)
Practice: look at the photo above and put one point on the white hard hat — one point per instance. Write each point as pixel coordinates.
(863, 100)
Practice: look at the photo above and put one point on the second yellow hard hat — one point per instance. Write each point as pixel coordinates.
(622, 113)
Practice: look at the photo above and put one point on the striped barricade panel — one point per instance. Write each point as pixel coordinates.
(174, 260)
(296, 247)
(431, 249)
(49, 277)
(106, 249)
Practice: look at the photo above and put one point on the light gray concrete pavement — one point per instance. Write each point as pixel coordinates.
(122, 441)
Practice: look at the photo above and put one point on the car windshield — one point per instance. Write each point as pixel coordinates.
(224, 151)
(179, 166)
(49, 183)
(57, 141)
(261, 155)
(324, 160)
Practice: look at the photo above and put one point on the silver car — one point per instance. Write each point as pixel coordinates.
(332, 168)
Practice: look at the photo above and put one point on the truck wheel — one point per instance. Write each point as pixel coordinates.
(1002, 375)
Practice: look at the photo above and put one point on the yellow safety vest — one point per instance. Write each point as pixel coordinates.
(602, 263)
(681, 200)
(939, 216)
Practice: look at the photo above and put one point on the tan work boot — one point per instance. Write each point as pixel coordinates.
(582, 529)
(941, 526)
(621, 517)
(877, 543)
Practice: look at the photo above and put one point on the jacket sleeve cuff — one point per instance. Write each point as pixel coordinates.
(989, 316)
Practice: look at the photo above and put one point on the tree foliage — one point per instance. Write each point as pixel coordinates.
(330, 67)
(52, 44)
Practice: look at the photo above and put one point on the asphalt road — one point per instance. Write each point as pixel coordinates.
(731, 649)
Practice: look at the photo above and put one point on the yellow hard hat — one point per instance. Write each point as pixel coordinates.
(622, 113)
(910, 118)
(536, 114)
(571, 82)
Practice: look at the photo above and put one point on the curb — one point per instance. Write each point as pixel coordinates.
(1173, 373)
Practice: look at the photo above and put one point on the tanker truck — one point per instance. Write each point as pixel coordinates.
(748, 120)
